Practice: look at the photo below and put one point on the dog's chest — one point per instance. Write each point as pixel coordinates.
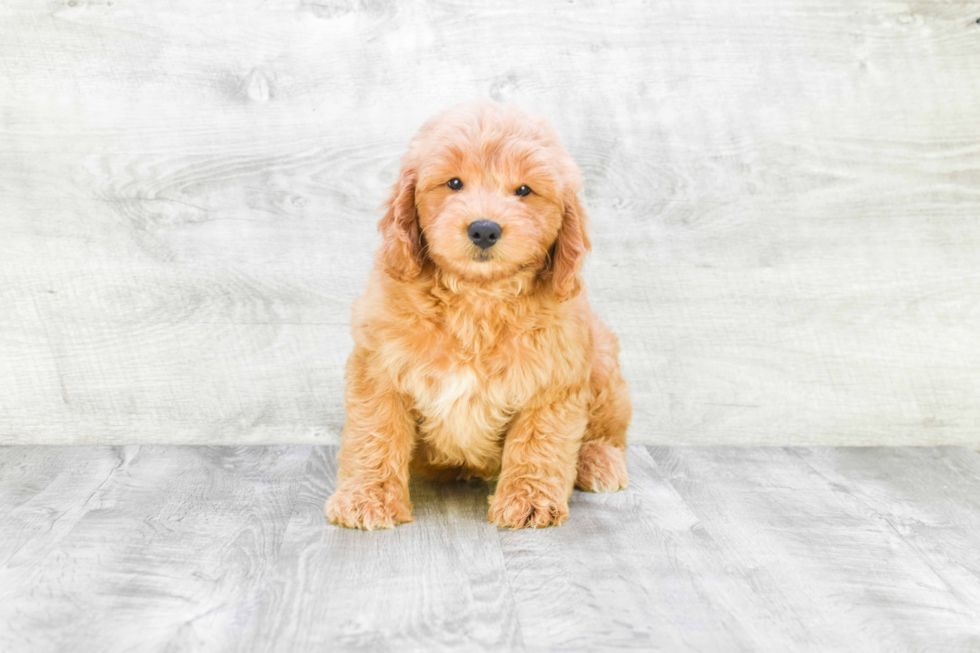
(463, 412)
(467, 387)
(442, 393)
(455, 389)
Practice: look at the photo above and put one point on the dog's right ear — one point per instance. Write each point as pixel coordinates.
(401, 246)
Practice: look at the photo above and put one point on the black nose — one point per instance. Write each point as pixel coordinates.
(484, 233)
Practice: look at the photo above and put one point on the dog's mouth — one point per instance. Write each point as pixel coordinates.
(483, 256)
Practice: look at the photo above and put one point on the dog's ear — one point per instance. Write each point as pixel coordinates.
(570, 248)
(401, 246)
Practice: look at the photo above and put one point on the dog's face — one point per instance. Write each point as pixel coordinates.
(485, 193)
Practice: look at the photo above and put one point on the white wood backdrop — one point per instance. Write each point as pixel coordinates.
(785, 197)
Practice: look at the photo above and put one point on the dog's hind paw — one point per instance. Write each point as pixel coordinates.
(601, 467)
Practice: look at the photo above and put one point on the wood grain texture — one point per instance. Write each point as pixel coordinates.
(437, 583)
(826, 558)
(710, 549)
(164, 553)
(784, 198)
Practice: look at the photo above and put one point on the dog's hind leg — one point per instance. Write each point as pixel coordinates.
(602, 458)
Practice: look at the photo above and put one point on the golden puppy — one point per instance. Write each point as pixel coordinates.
(476, 352)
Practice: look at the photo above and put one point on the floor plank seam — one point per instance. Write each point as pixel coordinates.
(891, 525)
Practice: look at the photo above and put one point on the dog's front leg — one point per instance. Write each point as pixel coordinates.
(372, 483)
(538, 468)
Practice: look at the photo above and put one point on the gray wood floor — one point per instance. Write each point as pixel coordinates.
(178, 548)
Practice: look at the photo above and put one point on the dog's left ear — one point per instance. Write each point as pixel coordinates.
(570, 248)
(401, 246)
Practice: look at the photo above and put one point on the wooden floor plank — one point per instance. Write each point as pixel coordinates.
(44, 491)
(627, 570)
(827, 558)
(930, 496)
(164, 558)
(720, 549)
(438, 583)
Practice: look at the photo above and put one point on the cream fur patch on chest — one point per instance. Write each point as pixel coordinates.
(462, 416)
(453, 388)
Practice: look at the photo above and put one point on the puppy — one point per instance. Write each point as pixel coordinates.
(476, 352)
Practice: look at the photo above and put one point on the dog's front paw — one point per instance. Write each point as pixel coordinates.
(520, 504)
(369, 505)
(601, 468)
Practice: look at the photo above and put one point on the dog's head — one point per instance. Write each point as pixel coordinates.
(486, 192)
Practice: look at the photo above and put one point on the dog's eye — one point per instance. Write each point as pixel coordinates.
(454, 183)
(523, 191)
